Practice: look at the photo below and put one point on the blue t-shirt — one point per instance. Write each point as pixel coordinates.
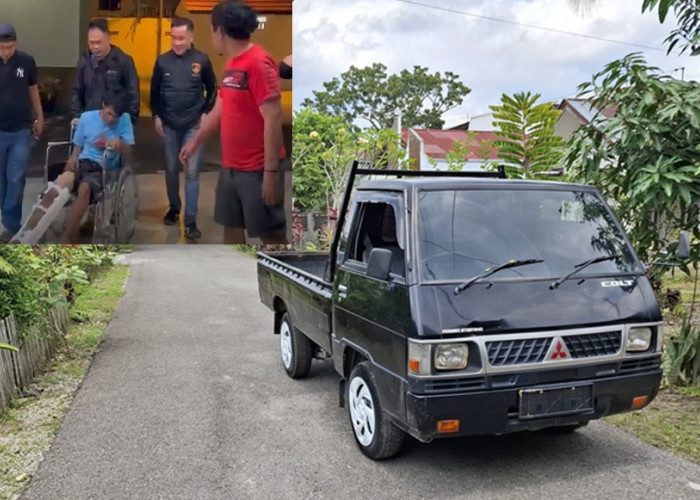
(91, 128)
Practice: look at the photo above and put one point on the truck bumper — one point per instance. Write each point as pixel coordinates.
(498, 411)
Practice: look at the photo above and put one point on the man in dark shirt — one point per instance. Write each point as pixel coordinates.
(21, 118)
(104, 68)
(183, 88)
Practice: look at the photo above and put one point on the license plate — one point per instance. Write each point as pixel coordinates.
(550, 402)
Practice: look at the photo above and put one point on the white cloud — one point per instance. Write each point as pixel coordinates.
(491, 57)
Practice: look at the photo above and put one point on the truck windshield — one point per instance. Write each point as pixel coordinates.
(463, 232)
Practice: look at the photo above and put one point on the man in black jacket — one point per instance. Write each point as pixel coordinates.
(183, 88)
(106, 68)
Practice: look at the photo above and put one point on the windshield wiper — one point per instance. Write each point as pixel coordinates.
(581, 266)
(492, 270)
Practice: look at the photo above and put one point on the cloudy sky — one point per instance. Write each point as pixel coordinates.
(491, 57)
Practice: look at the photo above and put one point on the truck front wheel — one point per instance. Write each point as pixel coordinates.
(296, 349)
(374, 432)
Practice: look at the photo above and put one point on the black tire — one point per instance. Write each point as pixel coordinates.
(296, 349)
(382, 441)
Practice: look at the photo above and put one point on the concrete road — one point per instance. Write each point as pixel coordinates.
(187, 399)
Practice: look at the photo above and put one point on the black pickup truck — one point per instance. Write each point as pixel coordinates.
(456, 305)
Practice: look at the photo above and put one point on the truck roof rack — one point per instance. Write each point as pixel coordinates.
(355, 171)
(498, 174)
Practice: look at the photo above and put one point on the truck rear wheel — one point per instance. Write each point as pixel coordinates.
(374, 432)
(296, 349)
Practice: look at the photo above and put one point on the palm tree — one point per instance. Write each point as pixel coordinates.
(583, 7)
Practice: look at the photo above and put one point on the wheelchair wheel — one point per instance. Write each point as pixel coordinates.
(102, 230)
(126, 207)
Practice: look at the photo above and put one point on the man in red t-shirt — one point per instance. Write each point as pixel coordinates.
(248, 112)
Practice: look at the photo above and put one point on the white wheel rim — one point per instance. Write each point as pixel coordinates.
(362, 412)
(286, 344)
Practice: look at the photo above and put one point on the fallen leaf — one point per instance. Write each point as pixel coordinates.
(21, 478)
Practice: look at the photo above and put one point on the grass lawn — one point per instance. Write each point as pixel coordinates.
(672, 420)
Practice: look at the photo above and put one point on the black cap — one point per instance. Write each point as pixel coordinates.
(7, 33)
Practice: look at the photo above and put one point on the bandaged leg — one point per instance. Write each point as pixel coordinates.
(47, 208)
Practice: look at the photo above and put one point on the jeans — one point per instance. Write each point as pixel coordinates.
(174, 140)
(14, 160)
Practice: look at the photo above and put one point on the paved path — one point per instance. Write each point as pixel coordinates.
(187, 399)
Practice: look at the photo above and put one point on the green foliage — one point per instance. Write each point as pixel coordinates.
(313, 135)
(324, 149)
(525, 135)
(682, 356)
(20, 290)
(646, 159)
(39, 276)
(687, 32)
(371, 94)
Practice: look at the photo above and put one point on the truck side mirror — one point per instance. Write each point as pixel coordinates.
(684, 245)
(379, 263)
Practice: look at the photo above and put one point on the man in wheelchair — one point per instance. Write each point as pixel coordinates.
(102, 139)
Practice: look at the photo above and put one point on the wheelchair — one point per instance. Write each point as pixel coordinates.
(111, 218)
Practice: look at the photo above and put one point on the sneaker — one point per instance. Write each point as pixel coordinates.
(171, 218)
(192, 233)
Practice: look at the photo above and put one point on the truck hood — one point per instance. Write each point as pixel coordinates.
(509, 306)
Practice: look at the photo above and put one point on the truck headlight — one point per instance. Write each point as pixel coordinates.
(639, 339)
(451, 356)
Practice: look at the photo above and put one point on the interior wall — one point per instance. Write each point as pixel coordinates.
(276, 38)
(51, 36)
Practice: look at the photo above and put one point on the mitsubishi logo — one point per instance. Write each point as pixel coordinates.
(558, 350)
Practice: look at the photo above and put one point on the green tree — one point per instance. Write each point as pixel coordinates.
(312, 134)
(371, 94)
(324, 149)
(525, 135)
(687, 31)
(646, 159)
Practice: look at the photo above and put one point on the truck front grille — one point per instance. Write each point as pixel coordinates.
(593, 344)
(640, 365)
(455, 385)
(517, 352)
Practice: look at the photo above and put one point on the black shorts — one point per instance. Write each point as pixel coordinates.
(90, 173)
(239, 203)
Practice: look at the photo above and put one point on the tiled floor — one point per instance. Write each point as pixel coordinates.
(153, 205)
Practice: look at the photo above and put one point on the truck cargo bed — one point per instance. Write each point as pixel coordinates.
(293, 282)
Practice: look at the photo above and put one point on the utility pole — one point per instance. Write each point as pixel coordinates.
(682, 70)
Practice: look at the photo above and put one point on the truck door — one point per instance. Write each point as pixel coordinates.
(373, 314)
